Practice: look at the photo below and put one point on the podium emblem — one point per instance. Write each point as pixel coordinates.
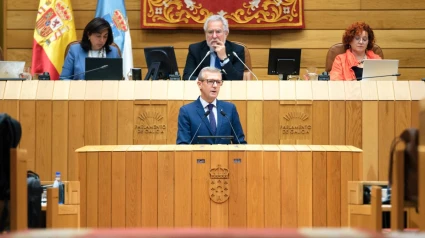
(219, 184)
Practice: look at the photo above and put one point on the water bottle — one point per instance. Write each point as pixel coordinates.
(58, 184)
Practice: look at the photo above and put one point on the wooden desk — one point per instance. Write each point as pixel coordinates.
(361, 215)
(168, 185)
(60, 215)
(58, 117)
(65, 215)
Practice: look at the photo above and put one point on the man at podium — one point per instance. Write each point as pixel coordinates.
(208, 120)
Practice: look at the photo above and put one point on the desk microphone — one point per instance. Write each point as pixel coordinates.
(190, 76)
(91, 70)
(378, 76)
(224, 114)
(234, 53)
(196, 132)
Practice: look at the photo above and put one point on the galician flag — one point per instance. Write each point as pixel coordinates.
(54, 30)
(114, 12)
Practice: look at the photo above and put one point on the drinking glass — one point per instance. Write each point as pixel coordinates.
(311, 74)
(130, 75)
(26, 74)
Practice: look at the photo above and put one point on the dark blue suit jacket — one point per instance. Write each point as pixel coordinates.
(234, 68)
(193, 114)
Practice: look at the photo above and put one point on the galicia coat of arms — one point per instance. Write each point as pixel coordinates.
(219, 184)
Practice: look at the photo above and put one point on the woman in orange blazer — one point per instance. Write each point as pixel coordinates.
(358, 41)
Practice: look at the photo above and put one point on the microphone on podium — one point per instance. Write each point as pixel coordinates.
(377, 76)
(234, 53)
(91, 70)
(205, 115)
(224, 114)
(190, 76)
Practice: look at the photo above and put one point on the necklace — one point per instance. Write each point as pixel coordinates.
(97, 53)
(361, 61)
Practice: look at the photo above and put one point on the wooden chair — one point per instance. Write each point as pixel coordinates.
(246, 74)
(78, 42)
(339, 49)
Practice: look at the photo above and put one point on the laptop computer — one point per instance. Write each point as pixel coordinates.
(103, 69)
(10, 70)
(377, 70)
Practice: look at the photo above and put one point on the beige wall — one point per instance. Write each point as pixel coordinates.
(399, 29)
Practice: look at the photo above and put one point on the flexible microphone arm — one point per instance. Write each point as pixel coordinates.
(379, 76)
(196, 132)
(91, 70)
(190, 76)
(234, 53)
(224, 114)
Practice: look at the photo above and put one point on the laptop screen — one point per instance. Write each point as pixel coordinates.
(103, 69)
(11, 69)
(380, 70)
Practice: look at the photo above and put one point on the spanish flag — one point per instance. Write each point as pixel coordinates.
(54, 30)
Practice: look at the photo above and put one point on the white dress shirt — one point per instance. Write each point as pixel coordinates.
(205, 106)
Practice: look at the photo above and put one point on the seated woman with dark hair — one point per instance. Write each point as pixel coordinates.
(96, 41)
(358, 41)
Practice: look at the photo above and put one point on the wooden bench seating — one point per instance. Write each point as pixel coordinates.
(369, 216)
(58, 216)
(65, 215)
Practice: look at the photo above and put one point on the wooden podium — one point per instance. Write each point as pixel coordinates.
(58, 117)
(252, 186)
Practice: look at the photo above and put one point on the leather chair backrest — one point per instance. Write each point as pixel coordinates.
(246, 74)
(339, 49)
(78, 42)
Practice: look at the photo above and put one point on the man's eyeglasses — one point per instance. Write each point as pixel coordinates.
(212, 81)
(217, 32)
(358, 38)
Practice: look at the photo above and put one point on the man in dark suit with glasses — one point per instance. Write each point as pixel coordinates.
(208, 116)
(221, 55)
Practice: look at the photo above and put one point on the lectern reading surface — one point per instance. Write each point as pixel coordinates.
(216, 137)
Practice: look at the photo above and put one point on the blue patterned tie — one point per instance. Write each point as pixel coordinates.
(212, 119)
(217, 61)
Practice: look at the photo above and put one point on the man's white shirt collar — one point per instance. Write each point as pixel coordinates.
(205, 103)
